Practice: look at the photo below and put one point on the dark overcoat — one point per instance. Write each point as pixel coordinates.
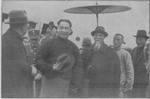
(48, 55)
(140, 72)
(16, 73)
(103, 73)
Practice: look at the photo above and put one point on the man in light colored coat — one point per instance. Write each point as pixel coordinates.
(126, 66)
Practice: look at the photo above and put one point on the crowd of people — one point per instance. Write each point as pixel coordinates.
(47, 64)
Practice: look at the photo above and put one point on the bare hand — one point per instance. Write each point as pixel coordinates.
(38, 76)
(56, 66)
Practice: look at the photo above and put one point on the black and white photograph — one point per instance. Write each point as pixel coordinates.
(75, 49)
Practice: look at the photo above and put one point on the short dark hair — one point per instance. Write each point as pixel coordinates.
(65, 20)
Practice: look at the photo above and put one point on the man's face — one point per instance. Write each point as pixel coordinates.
(140, 41)
(64, 30)
(99, 37)
(117, 41)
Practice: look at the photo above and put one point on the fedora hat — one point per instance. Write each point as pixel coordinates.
(99, 29)
(17, 17)
(141, 33)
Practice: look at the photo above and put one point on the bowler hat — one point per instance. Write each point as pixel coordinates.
(141, 33)
(99, 29)
(17, 17)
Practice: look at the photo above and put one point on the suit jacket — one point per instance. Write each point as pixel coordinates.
(140, 73)
(16, 73)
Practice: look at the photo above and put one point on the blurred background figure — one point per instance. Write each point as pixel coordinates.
(85, 54)
(140, 72)
(32, 48)
(126, 66)
(31, 28)
(48, 31)
(16, 73)
(86, 44)
(147, 63)
(32, 25)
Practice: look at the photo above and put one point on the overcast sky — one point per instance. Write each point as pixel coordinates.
(126, 23)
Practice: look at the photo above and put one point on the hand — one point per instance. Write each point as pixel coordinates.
(38, 76)
(56, 66)
(34, 70)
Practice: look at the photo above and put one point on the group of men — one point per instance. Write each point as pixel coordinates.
(56, 68)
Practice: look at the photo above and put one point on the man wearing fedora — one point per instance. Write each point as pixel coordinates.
(16, 73)
(103, 68)
(140, 73)
(60, 64)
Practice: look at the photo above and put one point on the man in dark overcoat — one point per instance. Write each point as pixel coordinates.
(61, 75)
(140, 72)
(103, 68)
(16, 73)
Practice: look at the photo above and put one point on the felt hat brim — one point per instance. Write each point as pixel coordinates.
(94, 32)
